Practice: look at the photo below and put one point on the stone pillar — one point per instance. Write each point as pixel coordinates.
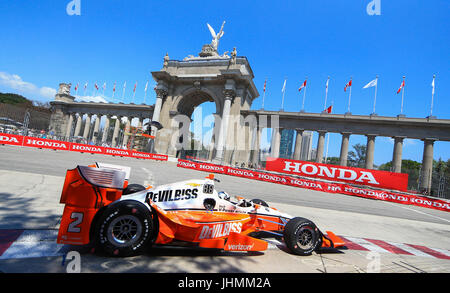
(69, 126)
(276, 140)
(397, 155)
(255, 155)
(427, 165)
(87, 126)
(320, 146)
(370, 151)
(140, 122)
(116, 132)
(344, 149)
(106, 129)
(78, 126)
(96, 134)
(211, 151)
(126, 132)
(229, 94)
(161, 93)
(298, 144)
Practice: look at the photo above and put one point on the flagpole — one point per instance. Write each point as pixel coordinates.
(349, 96)
(264, 94)
(432, 97)
(145, 96)
(123, 92)
(328, 136)
(403, 93)
(134, 92)
(326, 95)
(304, 95)
(284, 91)
(114, 90)
(375, 98)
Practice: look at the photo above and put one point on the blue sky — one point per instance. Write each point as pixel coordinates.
(117, 41)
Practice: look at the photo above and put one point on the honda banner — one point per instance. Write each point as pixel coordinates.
(330, 187)
(19, 140)
(45, 143)
(11, 139)
(375, 178)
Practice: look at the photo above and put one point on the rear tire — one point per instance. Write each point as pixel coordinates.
(124, 229)
(301, 236)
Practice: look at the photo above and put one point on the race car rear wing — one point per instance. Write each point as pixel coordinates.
(85, 191)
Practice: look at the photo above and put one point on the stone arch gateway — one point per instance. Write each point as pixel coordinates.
(183, 85)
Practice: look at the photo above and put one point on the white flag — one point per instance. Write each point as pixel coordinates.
(371, 84)
(432, 85)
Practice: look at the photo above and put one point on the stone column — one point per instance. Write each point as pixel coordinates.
(78, 126)
(320, 146)
(87, 126)
(126, 131)
(161, 93)
(255, 156)
(397, 155)
(229, 93)
(140, 121)
(298, 144)
(276, 140)
(370, 151)
(96, 134)
(106, 129)
(116, 132)
(427, 165)
(69, 126)
(344, 149)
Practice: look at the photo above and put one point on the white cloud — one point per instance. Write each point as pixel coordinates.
(95, 99)
(16, 83)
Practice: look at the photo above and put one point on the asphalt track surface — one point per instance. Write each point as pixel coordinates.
(24, 171)
(56, 163)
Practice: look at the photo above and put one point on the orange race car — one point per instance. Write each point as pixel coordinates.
(123, 219)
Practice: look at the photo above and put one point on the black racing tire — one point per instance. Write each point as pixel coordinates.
(132, 188)
(124, 229)
(301, 236)
(260, 202)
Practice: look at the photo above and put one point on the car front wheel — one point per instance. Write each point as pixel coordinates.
(301, 236)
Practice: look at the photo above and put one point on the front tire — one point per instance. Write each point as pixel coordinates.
(124, 229)
(301, 236)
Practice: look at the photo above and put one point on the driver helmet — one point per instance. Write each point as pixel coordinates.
(223, 195)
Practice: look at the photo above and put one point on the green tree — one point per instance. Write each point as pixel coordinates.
(357, 158)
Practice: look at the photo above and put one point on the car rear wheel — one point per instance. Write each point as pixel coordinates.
(301, 236)
(124, 229)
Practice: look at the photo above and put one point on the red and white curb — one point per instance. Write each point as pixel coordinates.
(365, 244)
(16, 244)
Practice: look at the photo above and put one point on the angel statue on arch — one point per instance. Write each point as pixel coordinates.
(216, 37)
